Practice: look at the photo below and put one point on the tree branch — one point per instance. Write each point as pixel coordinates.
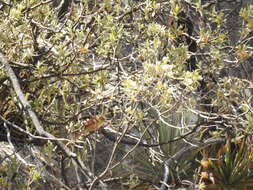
(27, 107)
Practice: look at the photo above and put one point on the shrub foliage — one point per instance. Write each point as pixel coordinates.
(147, 94)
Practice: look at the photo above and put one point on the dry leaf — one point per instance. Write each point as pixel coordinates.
(91, 125)
(94, 123)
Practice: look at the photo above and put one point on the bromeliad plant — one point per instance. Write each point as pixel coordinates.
(232, 167)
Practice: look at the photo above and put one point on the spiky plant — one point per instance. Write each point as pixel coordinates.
(231, 168)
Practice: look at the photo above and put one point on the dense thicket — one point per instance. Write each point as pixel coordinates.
(121, 94)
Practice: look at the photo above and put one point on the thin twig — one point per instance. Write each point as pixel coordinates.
(31, 135)
(14, 150)
(168, 163)
(35, 119)
(69, 74)
(110, 160)
(28, 108)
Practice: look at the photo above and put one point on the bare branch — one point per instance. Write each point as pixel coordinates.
(28, 108)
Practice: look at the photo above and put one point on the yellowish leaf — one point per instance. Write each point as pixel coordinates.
(204, 175)
(205, 38)
(243, 54)
(205, 163)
